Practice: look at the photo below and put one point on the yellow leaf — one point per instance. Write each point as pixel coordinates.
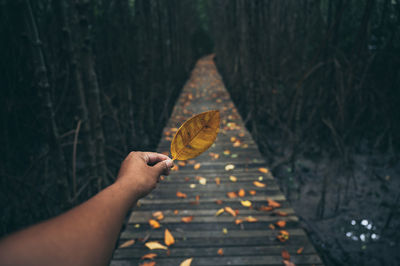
(230, 211)
(168, 238)
(127, 243)
(155, 245)
(224, 230)
(186, 262)
(246, 203)
(259, 184)
(229, 167)
(251, 219)
(219, 211)
(154, 224)
(195, 136)
(233, 178)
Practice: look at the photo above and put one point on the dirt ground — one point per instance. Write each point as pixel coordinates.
(351, 213)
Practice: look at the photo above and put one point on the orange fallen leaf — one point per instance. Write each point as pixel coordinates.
(158, 215)
(181, 195)
(283, 235)
(241, 193)
(220, 252)
(259, 184)
(241, 134)
(168, 238)
(149, 256)
(251, 219)
(127, 243)
(219, 202)
(230, 211)
(150, 263)
(288, 263)
(273, 203)
(233, 139)
(217, 180)
(263, 170)
(187, 219)
(300, 250)
(176, 212)
(285, 255)
(271, 226)
(281, 223)
(238, 221)
(281, 213)
(154, 224)
(265, 208)
(197, 198)
(231, 195)
(237, 143)
(175, 168)
(196, 166)
(186, 262)
(181, 163)
(252, 192)
(155, 245)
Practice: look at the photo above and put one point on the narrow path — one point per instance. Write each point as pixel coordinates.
(250, 238)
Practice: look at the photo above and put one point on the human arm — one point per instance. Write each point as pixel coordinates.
(86, 235)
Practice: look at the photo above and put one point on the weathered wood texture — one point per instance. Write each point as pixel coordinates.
(248, 243)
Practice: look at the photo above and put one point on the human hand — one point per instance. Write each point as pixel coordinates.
(140, 171)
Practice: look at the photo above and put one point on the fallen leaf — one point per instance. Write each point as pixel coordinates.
(154, 224)
(224, 231)
(168, 238)
(263, 170)
(252, 192)
(245, 203)
(281, 213)
(127, 243)
(176, 212)
(300, 250)
(230, 211)
(186, 262)
(220, 252)
(283, 235)
(158, 215)
(187, 219)
(149, 263)
(233, 178)
(288, 263)
(259, 184)
(155, 245)
(181, 195)
(196, 166)
(233, 139)
(236, 143)
(231, 195)
(149, 256)
(202, 180)
(175, 168)
(229, 167)
(251, 219)
(219, 212)
(271, 226)
(219, 202)
(217, 180)
(238, 221)
(273, 203)
(181, 163)
(265, 208)
(285, 255)
(195, 135)
(281, 223)
(192, 186)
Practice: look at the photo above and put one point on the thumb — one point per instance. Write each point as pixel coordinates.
(163, 167)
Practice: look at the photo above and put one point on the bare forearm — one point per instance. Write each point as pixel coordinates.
(85, 235)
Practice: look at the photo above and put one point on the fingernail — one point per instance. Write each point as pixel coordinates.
(169, 163)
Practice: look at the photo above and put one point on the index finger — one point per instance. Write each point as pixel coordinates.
(151, 158)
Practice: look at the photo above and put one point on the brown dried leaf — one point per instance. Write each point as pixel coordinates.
(219, 202)
(300, 250)
(285, 255)
(127, 243)
(281, 213)
(265, 208)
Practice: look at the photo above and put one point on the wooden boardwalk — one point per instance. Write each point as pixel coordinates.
(242, 240)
